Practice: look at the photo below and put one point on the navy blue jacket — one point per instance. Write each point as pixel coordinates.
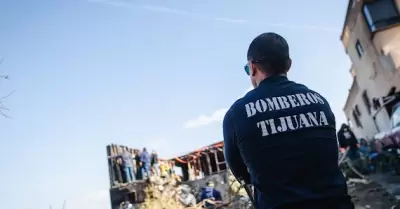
(281, 137)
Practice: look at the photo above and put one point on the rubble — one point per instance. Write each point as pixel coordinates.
(166, 193)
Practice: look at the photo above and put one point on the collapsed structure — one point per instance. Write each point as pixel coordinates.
(371, 39)
(195, 169)
(134, 192)
(202, 162)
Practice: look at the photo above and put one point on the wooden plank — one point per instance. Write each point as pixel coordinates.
(209, 164)
(110, 149)
(216, 160)
(114, 150)
(110, 166)
(199, 164)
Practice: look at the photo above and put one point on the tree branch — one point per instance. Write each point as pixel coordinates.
(6, 96)
(3, 108)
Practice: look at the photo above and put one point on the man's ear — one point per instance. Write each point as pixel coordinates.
(253, 69)
(288, 64)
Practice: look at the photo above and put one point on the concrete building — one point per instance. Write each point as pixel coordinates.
(371, 38)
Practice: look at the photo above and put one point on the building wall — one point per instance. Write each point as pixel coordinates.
(376, 72)
(368, 128)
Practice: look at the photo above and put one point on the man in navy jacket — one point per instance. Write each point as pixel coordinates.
(281, 136)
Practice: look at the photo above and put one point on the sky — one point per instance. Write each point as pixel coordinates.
(160, 74)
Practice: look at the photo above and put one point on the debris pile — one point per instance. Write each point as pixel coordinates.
(171, 194)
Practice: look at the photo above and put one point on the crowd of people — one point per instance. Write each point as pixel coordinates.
(139, 165)
(132, 165)
(209, 195)
(187, 197)
(367, 156)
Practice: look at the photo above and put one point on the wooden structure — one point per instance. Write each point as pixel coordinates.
(119, 192)
(207, 160)
(112, 151)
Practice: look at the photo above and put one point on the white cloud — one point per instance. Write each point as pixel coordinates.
(216, 116)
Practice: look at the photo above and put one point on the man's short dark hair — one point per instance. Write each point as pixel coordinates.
(271, 52)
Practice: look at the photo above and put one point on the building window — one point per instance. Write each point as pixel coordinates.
(360, 50)
(356, 119)
(357, 110)
(389, 105)
(367, 101)
(376, 103)
(381, 14)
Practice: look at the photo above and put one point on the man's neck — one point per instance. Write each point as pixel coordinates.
(265, 76)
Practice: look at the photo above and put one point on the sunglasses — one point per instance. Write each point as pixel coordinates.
(247, 66)
(247, 69)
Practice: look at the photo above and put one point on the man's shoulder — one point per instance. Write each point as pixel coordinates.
(307, 89)
(239, 103)
(303, 89)
(238, 108)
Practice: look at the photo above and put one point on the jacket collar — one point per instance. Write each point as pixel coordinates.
(273, 79)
